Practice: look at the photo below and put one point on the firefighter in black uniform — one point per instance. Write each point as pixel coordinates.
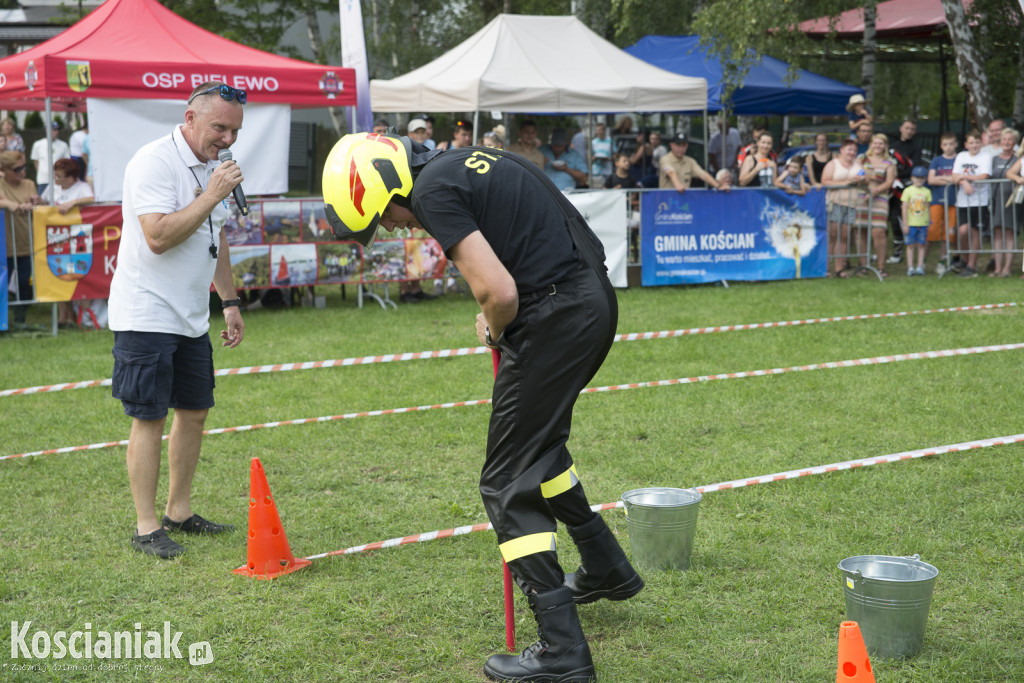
(537, 271)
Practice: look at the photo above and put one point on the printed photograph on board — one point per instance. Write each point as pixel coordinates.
(245, 229)
(250, 266)
(315, 227)
(292, 265)
(340, 262)
(386, 262)
(282, 222)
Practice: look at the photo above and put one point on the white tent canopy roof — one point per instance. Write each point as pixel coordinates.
(538, 64)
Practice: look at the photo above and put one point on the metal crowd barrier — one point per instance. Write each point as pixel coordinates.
(993, 228)
(852, 245)
(17, 296)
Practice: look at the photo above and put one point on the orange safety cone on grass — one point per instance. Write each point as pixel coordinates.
(269, 555)
(854, 665)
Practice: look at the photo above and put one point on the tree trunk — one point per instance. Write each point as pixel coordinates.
(867, 66)
(313, 28)
(969, 70)
(1018, 92)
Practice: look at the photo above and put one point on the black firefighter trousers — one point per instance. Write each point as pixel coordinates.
(550, 352)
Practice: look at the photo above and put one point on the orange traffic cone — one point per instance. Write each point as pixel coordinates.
(269, 555)
(854, 665)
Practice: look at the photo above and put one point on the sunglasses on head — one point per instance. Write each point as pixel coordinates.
(226, 92)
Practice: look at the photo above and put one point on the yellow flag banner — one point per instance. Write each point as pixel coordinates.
(75, 252)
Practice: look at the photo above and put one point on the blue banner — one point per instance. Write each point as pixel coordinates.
(5, 276)
(703, 236)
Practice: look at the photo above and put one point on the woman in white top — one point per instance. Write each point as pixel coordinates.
(843, 177)
(67, 191)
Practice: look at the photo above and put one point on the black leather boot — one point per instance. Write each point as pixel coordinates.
(560, 656)
(605, 570)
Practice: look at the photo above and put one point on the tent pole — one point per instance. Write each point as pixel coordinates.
(49, 140)
(476, 127)
(705, 136)
(589, 137)
(723, 126)
(944, 106)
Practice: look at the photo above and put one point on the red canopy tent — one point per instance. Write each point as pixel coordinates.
(903, 19)
(140, 49)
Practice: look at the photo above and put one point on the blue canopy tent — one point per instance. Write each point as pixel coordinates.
(764, 90)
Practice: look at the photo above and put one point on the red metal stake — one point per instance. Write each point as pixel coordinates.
(510, 612)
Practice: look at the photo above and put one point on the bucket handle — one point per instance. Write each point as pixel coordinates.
(914, 557)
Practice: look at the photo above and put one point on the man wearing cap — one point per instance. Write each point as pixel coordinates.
(537, 272)
(417, 130)
(172, 248)
(677, 170)
(42, 160)
(566, 169)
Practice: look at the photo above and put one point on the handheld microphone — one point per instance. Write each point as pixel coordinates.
(225, 155)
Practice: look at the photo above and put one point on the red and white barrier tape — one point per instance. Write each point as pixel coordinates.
(708, 488)
(478, 350)
(878, 360)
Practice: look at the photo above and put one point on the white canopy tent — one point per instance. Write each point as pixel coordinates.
(545, 65)
(541, 65)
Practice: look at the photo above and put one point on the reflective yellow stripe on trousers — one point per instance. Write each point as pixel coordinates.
(527, 545)
(560, 484)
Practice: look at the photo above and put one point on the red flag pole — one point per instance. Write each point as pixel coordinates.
(510, 613)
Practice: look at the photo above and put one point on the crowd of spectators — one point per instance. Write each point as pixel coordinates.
(23, 188)
(864, 181)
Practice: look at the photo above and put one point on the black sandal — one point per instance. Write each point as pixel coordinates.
(157, 543)
(196, 525)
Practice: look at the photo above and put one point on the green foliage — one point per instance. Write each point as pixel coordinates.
(739, 31)
(33, 120)
(999, 29)
(903, 86)
(209, 15)
(256, 23)
(634, 19)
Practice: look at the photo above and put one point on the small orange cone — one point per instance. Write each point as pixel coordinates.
(854, 665)
(269, 555)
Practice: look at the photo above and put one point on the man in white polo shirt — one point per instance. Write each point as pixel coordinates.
(172, 247)
(40, 156)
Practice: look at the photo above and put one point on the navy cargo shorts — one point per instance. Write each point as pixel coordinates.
(154, 371)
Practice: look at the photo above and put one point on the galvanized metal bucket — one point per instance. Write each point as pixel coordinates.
(889, 598)
(661, 524)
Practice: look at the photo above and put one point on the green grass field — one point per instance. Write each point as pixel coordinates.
(762, 602)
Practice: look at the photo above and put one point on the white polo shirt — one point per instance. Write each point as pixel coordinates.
(40, 152)
(169, 292)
